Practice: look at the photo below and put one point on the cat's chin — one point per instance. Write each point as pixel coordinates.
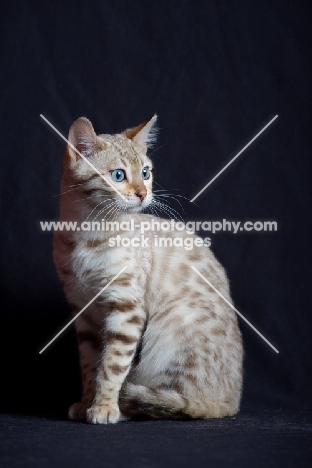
(135, 209)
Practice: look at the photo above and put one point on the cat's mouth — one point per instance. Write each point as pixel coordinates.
(138, 206)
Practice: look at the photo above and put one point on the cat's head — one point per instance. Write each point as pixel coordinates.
(112, 173)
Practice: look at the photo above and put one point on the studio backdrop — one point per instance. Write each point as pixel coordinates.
(216, 73)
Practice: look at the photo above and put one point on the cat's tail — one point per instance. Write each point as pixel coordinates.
(139, 401)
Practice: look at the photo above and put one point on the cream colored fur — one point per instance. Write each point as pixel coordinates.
(159, 342)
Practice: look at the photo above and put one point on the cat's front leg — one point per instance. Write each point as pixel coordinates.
(90, 346)
(123, 329)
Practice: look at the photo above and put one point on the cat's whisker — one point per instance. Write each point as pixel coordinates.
(92, 211)
(168, 193)
(100, 213)
(111, 209)
(174, 194)
(103, 209)
(118, 211)
(149, 208)
(169, 210)
(154, 182)
(124, 209)
(93, 196)
(155, 209)
(115, 213)
(166, 212)
(170, 213)
(90, 204)
(164, 190)
(70, 190)
(169, 196)
(87, 206)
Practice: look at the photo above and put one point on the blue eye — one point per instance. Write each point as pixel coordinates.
(118, 175)
(145, 174)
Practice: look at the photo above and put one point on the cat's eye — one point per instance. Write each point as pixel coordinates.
(145, 174)
(118, 175)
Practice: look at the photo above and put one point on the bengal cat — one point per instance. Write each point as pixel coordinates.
(158, 342)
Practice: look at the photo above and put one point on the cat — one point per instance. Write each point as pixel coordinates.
(158, 342)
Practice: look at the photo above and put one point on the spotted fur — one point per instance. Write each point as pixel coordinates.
(158, 342)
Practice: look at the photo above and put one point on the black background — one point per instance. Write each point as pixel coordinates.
(215, 73)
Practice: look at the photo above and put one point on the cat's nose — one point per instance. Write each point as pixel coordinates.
(141, 194)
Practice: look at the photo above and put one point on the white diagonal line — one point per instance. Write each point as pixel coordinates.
(84, 158)
(237, 311)
(238, 154)
(82, 310)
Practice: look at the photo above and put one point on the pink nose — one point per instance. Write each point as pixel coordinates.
(141, 194)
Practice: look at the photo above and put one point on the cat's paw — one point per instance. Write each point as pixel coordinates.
(78, 411)
(103, 414)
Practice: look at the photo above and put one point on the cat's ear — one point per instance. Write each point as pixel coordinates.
(82, 137)
(143, 135)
